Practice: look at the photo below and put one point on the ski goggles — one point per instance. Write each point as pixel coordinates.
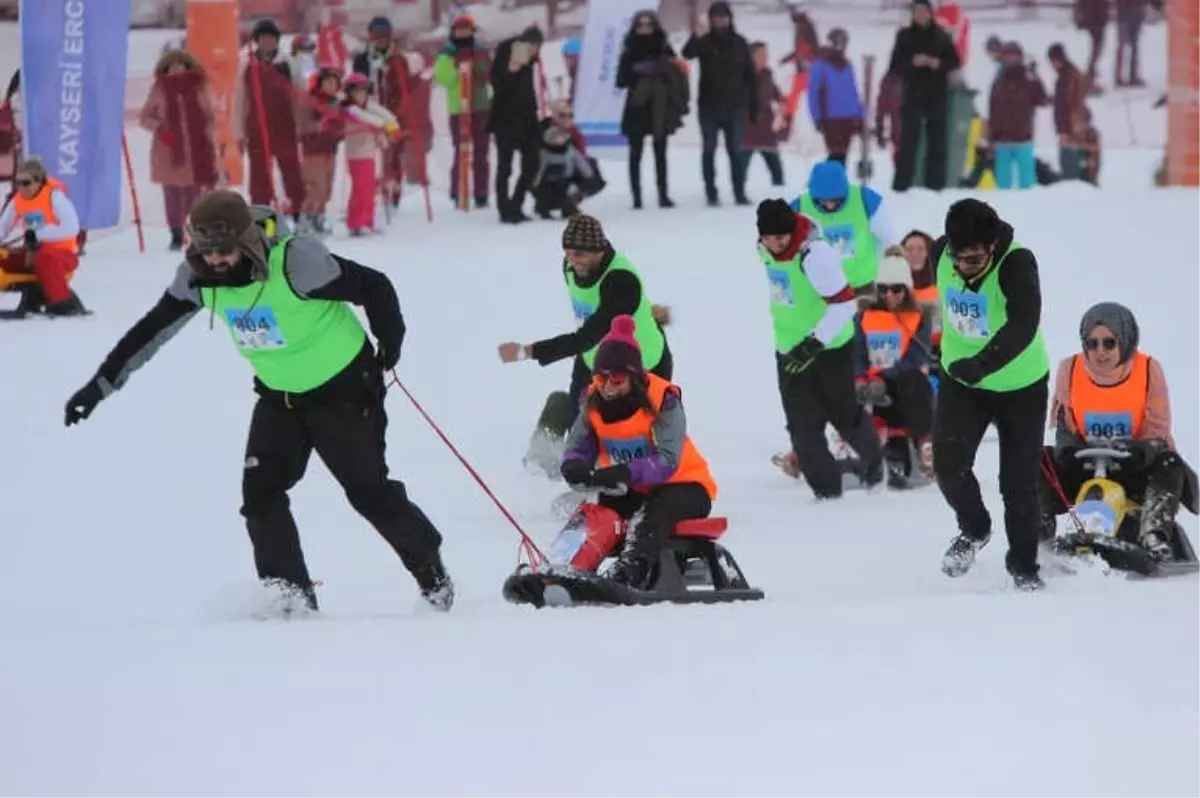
(613, 378)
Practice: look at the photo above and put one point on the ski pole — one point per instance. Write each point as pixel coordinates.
(535, 554)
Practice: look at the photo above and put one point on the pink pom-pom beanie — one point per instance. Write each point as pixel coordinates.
(619, 351)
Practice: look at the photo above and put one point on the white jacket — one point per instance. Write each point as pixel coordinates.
(365, 129)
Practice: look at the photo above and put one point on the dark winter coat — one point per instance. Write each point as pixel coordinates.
(760, 133)
(923, 86)
(727, 79)
(1070, 89)
(658, 103)
(1091, 15)
(514, 112)
(279, 107)
(1016, 96)
(178, 111)
(643, 60)
(833, 89)
(390, 79)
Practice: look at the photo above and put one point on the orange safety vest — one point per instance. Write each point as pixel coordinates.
(626, 440)
(928, 297)
(888, 335)
(38, 213)
(1110, 411)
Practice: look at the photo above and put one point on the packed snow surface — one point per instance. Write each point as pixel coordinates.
(131, 661)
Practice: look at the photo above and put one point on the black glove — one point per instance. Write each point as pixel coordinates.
(577, 473)
(802, 356)
(614, 478)
(967, 371)
(31, 240)
(81, 405)
(1142, 453)
(387, 355)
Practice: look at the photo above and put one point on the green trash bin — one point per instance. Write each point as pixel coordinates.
(959, 113)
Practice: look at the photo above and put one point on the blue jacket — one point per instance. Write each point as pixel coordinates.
(837, 88)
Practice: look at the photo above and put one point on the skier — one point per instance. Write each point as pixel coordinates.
(995, 369)
(1114, 395)
(812, 308)
(892, 348)
(631, 443)
(855, 221)
(602, 284)
(286, 302)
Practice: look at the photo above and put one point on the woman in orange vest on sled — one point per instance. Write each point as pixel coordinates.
(892, 355)
(630, 442)
(49, 248)
(1113, 396)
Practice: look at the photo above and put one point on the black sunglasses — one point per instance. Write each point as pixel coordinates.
(1093, 344)
(213, 239)
(23, 183)
(893, 288)
(974, 259)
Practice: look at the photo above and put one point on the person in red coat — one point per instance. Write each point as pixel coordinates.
(265, 108)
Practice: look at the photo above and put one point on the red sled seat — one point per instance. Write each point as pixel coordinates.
(702, 528)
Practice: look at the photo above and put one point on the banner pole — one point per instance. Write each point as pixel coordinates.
(137, 211)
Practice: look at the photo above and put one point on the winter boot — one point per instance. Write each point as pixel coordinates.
(630, 571)
(32, 299)
(545, 449)
(664, 199)
(960, 556)
(898, 461)
(635, 186)
(176, 239)
(435, 584)
(1024, 578)
(1156, 531)
(72, 306)
(292, 599)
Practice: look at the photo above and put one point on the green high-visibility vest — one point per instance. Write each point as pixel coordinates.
(293, 344)
(796, 307)
(970, 320)
(848, 230)
(584, 302)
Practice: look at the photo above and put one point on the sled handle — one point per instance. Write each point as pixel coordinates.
(1101, 453)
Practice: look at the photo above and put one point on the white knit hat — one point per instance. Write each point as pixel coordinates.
(894, 270)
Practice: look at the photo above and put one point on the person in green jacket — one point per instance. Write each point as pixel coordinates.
(462, 54)
(601, 284)
(995, 370)
(285, 302)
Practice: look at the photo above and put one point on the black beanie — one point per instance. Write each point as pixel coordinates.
(969, 223)
(265, 27)
(775, 218)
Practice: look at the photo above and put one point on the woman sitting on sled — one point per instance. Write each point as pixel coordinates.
(630, 442)
(1113, 396)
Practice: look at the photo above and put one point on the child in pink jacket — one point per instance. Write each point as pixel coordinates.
(369, 127)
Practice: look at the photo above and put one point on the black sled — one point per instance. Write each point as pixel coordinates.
(692, 569)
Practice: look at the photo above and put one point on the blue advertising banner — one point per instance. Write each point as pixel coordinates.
(73, 62)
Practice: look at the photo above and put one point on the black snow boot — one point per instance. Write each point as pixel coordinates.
(292, 598)
(631, 571)
(960, 556)
(1024, 577)
(32, 299)
(176, 239)
(72, 306)
(1156, 530)
(435, 584)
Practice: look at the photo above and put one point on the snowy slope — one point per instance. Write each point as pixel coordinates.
(130, 663)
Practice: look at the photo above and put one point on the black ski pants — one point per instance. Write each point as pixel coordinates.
(729, 123)
(821, 394)
(637, 146)
(928, 114)
(963, 416)
(664, 507)
(506, 149)
(346, 428)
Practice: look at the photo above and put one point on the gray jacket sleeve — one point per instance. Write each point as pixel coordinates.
(670, 433)
(310, 266)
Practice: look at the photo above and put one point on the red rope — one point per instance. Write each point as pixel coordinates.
(527, 546)
(1052, 478)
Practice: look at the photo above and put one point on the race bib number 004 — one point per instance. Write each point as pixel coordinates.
(626, 450)
(967, 314)
(255, 328)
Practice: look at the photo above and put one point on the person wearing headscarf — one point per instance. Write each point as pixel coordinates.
(631, 443)
(1112, 394)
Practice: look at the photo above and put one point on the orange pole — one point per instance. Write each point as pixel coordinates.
(137, 211)
(1183, 93)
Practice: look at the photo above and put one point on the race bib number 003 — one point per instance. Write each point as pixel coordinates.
(967, 314)
(255, 328)
(1108, 425)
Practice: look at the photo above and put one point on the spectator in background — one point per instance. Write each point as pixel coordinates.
(566, 174)
(1131, 14)
(833, 99)
(805, 43)
(183, 153)
(264, 120)
(370, 129)
(1070, 89)
(763, 131)
(571, 49)
(1092, 16)
(386, 70)
(463, 52)
(515, 120)
(728, 94)
(1016, 95)
(304, 60)
(654, 86)
(924, 56)
(887, 113)
(322, 127)
(995, 52)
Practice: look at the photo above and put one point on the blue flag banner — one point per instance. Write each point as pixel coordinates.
(73, 56)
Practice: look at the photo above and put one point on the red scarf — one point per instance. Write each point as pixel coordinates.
(185, 120)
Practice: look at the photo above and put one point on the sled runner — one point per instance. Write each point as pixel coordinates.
(693, 568)
(1101, 509)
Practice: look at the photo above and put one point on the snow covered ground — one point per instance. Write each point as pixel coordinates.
(129, 662)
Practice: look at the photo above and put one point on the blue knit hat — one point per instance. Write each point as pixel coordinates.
(828, 181)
